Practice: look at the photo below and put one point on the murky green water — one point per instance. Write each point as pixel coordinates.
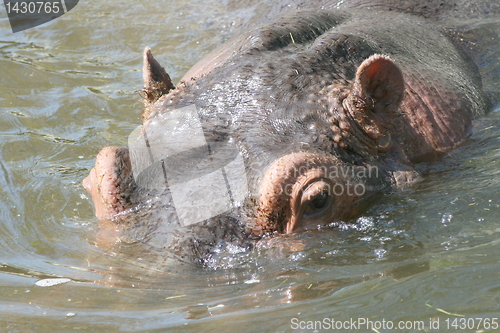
(429, 253)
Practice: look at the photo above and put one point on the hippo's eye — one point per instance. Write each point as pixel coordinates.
(317, 203)
(316, 199)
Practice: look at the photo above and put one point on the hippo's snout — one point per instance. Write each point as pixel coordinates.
(109, 182)
(172, 225)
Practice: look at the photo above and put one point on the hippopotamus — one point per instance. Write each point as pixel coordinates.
(299, 120)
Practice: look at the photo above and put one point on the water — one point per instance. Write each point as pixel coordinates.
(426, 254)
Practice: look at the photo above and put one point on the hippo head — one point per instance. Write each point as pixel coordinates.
(271, 133)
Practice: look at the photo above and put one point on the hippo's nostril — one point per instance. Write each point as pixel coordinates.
(109, 182)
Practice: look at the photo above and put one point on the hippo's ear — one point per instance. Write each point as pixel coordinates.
(374, 100)
(156, 80)
(379, 82)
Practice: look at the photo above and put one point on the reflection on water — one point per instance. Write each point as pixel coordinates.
(69, 88)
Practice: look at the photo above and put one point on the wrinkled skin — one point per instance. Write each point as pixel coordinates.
(327, 106)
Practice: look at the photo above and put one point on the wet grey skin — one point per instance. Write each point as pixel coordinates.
(327, 107)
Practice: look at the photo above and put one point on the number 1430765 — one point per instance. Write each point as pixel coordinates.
(472, 323)
(33, 7)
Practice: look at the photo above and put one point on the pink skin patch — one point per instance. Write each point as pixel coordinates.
(292, 181)
(102, 185)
